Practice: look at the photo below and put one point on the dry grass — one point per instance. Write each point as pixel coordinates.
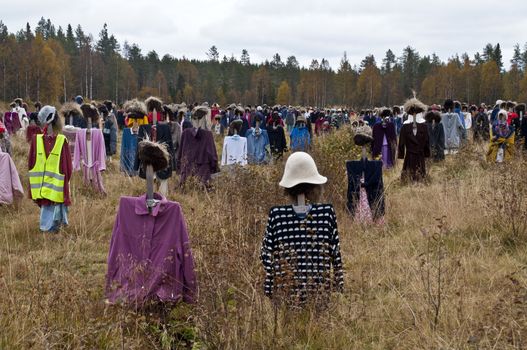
(51, 286)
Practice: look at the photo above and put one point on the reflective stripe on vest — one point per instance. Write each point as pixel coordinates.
(45, 179)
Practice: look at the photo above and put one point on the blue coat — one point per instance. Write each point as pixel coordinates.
(300, 139)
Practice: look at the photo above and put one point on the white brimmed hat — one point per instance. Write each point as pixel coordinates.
(301, 168)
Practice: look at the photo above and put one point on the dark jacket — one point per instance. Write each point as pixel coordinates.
(437, 140)
(373, 183)
(277, 140)
(414, 149)
(197, 155)
(481, 127)
(109, 133)
(164, 136)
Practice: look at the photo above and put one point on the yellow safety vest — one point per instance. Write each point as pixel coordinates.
(45, 178)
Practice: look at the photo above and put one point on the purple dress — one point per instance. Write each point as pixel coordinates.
(150, 256)
(387, 160)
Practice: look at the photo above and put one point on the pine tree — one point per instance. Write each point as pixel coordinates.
(497, 57)
(517, 58)
(388, 62)
(213, 54)
(244, 59)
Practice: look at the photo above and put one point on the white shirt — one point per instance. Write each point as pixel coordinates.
(468, 120)
(234, 150)
(22, 116)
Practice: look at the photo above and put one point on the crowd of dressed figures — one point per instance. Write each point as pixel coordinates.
(150, 258)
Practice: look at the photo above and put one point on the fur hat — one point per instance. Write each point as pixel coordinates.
(510, 104)
(200, 112)
(232, 106)
(90, 111)
(363, 135)
(386, 113)
(109, 105)
(47, 115)
(135, 109)
(154, 103)
(414, 106)
(520, 108)
(18, 101)
(240, 109)
(103, 110)
(153, 153)
(237, 125)
(504, 113)
(449, 105)
(70, 109)
(170, 111)
(301, 118)
(433, 115)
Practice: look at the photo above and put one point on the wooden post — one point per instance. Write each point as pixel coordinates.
(89, 150)
(150, 187)
(153, 134)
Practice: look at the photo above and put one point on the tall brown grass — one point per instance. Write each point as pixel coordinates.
(448, 242)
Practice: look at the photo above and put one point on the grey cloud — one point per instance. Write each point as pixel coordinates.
(305, 28)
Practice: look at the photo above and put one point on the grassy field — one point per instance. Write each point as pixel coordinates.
(447, 271)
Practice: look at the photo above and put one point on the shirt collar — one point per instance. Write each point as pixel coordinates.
(141, 209)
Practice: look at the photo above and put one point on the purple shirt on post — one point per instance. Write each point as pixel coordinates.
(150, 256)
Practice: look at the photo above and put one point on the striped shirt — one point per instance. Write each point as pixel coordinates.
(301, 255)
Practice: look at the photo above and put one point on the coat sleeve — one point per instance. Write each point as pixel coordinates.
(113, 139)
(284, 140)
(426, 143)
(77, 150)
(101, 150)
(267, 255)
(244, 161)
(336, 258)
(187, 261)
(224, 152)
(179, 153)
(66, 169)
(402, 145)
(213, 154)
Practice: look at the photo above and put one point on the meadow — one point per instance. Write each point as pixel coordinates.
(448, 270)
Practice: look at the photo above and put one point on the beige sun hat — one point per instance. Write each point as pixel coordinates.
(301, 168)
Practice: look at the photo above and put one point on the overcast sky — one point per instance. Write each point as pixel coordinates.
(305, 28)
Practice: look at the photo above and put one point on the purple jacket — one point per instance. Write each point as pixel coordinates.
(10, 186)
(150, 256)
(197, 155)
(91, 172)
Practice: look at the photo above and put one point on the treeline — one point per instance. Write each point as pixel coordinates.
(52, 64)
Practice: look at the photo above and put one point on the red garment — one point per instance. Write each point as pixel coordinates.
(160, 117)
(32, 129)
(269, 121)
(66, 167)
(510, 117)
(213, 113)
(2, 127)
